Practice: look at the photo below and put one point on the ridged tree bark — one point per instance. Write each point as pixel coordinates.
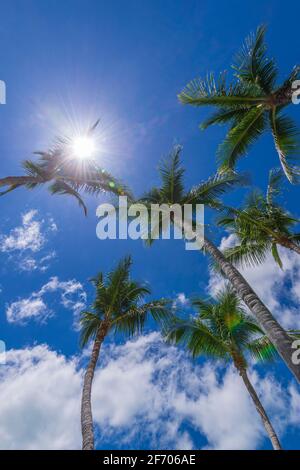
(289, 244)
(277, 335)
(264, 417)
(87, 428)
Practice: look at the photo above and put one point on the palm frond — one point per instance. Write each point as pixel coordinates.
(132, 321)
(262, 349)
(241, 137)
(247, 254)
(62, 188)
(172, 173)
(214, 91)
(286, 137)
(274, 184)
(89, 323)
(223, 116)
(214, 187)
(275, 254)
(197, 338)
(252, 65)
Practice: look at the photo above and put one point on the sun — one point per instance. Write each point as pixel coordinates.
(83, 147)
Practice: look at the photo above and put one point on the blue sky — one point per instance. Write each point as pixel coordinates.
(68, 63)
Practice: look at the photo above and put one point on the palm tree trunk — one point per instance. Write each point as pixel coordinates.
(87, 429)
(277, 335)
(289, 244)
(264, 417)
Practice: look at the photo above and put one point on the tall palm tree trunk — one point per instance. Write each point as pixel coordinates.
(87, 429)
(287, 243)
(281, 340)
(264, 417)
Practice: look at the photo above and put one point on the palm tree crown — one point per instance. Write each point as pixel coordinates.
(120, 303)
(251, 105)
(222, 329)
(65, 174)
(260, 226)
(172, 190)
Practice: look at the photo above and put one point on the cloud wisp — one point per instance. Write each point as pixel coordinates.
(71, 295)
(26, 243)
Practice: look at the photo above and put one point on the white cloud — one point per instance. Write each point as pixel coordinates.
(27, 240)
(27, 236)
(143, 392)
(22, 310)
(278, 288)
(29, 263)
(180, 300)
(39, 400)
(72, 297)
(146, 381)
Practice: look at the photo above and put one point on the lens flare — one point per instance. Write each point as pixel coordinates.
(83, 147)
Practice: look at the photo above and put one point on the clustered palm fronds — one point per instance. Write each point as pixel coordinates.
(172, 190)
(120, 301)
(254, 103)
(260, 226)
(222, 329)
(65, 174)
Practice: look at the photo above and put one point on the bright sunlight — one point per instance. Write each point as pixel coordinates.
(84, 147)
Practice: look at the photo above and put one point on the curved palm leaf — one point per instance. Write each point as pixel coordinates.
(252, 65)
(286, 137)
(252, 105)
(241, 137)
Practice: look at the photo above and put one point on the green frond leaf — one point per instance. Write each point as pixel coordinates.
(274, 184)
(262, 349)
(62, 188)
(223, 116)
(212, 91)
(286, 137)
(252, 65)
(276, 255)
(89, 324)
(247, 254)
(241, 137)
(172, 174)
(214, 187)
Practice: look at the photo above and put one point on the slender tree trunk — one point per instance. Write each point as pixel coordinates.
(287, 243)
(277, 335)
(87, 428)
(264, 417)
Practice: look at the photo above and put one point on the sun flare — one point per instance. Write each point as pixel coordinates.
(84, 147)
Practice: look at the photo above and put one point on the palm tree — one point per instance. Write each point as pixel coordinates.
(253, 104)
(66, 174)
(171, 192)
(223, 330)
(260, 226)
(119, 306)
